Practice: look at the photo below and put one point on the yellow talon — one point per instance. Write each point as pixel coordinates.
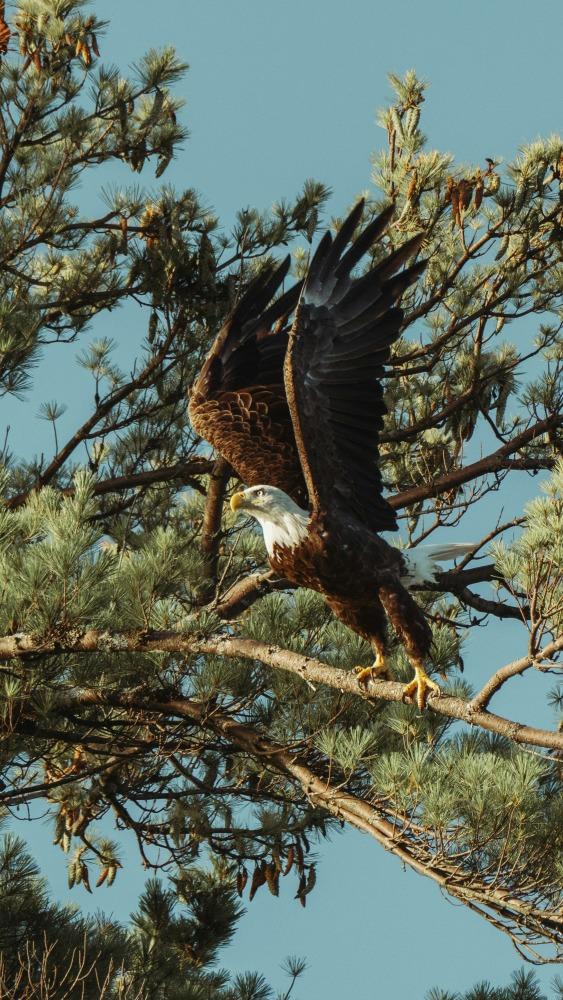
(364, 675)
(376, 672)
(420, 686)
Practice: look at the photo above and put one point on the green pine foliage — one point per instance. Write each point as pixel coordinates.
(523, 986)
(532, 565)
(167, 952)
(139, 623)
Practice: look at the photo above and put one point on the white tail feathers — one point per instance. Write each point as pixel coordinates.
(452, 551)
(422, 562)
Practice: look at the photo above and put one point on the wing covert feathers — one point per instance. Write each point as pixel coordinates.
(341, 339)
(238, 401)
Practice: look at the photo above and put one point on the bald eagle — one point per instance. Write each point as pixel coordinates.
(296, 410)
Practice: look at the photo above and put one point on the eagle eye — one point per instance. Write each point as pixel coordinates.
(259, 493)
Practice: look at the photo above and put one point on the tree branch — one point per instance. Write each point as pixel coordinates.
(184, 471)
(491, 463)
(243, 594)
(21, 646)
(211, 528)
(107, 405)
(515, 917)
(483, 697)
(488, 607)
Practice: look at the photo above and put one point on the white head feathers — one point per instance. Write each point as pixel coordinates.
(282, 521)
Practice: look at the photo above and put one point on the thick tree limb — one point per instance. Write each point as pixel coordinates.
(313, 671)
(211, 528)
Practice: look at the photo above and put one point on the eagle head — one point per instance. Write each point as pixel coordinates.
(282, 521)
(261, 499)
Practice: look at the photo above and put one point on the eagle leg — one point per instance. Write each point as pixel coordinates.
(421, 685)
(378, 671)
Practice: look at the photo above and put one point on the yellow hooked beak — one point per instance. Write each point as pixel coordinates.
(237, 500)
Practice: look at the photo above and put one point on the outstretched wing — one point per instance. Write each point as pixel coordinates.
(238, 401)
(341, 338)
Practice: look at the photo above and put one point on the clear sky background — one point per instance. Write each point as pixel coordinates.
(278, 92)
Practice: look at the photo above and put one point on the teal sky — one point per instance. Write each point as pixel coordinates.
(278, 92)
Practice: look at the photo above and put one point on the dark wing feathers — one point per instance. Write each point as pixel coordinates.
(302, 411)
(341, 239)
(280, 309)
(251, 313)
(238, 401)
(340, 341)
(365, 240)
(328, 264)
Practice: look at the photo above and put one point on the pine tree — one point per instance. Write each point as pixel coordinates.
(153, 669)
(167, 952)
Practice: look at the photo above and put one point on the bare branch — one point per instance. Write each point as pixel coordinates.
(243, 594)
(491, 463)
(494, 684)
(211, 528)
(183, 471)
(488, 607)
